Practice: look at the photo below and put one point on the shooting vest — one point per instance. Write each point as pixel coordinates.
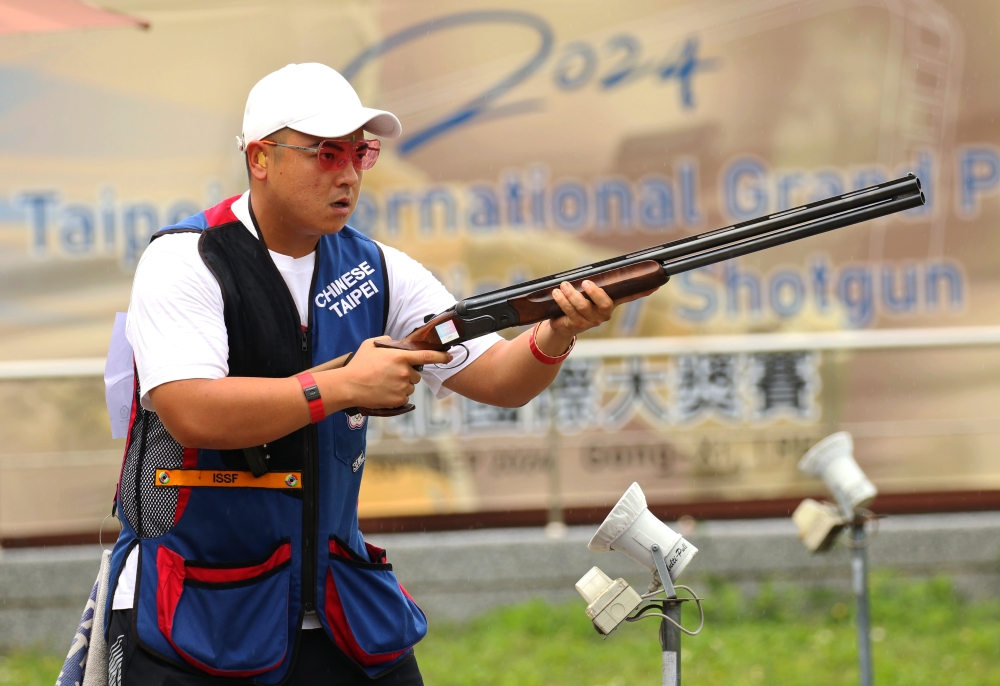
(228, 563)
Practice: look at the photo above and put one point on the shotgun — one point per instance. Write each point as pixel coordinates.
(531, 302)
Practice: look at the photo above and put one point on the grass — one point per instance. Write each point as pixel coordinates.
(923, 635)
(28, 668)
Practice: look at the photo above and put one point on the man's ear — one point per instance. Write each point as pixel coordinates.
(257, 161)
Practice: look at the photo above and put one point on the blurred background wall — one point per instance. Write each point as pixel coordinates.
(540, 136)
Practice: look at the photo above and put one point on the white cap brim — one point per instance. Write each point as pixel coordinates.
(330, 125)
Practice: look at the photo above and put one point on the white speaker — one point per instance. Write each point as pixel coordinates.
(633, 530)
(832, 460)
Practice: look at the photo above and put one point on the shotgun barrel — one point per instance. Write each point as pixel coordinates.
(644, 270)
(908, 185)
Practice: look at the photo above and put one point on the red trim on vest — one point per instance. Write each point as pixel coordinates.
(169, 587)
(221, 213)
(189, 461)
(375, 554)
(221, 575)
(183, 496)
(338, 549)
(408, 596)
(131, 421)
(222, 672)
(342, 633)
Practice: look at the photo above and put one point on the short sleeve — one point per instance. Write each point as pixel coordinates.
(415, 293)
(176, 322)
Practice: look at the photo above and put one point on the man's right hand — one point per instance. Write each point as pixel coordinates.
(237, 412)
(375, 377)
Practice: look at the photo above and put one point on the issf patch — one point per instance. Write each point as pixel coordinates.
(358, 461)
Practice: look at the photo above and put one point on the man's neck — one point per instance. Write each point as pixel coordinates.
(277, 236)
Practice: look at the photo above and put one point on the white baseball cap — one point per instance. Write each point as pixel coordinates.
(313, 99)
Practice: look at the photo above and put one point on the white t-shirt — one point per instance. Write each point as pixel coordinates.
(177, 328)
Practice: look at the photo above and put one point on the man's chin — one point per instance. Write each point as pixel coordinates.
(333, 224)
(336, 219)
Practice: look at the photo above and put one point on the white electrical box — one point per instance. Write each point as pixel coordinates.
(818, 523)
(608, 602)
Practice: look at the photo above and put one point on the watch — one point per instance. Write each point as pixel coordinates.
(317, 412)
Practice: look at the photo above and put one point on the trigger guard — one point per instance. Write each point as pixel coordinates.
(387, 411)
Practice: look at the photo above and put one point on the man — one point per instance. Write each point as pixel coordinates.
(248, 565)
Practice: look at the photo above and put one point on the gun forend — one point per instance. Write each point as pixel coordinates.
(449, 328)
(617, 283)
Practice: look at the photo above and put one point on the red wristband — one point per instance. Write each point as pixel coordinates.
(542, 357)
(317, 412)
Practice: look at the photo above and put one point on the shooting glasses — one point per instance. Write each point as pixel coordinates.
(334, 154)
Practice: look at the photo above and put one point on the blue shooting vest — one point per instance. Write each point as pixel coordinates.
(227, 569)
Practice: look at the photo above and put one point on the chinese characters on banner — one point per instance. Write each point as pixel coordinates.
(703, 426)
(733, 389)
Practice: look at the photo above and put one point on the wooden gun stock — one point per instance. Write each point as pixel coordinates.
(448, 329)
(531, 308)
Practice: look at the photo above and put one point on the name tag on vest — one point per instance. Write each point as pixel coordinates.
(225, 478)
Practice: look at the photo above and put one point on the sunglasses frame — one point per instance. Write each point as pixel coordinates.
(374, 145)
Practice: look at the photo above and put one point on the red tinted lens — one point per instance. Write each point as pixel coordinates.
(334, 154)
(366, 153)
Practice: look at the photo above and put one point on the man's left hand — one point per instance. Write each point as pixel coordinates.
(510, 374)
(580, 313)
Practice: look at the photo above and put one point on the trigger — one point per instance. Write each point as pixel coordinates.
(429, 317)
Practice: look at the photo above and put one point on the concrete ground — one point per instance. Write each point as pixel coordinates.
(456, 575)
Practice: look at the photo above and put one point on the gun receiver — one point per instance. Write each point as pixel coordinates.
(637, 272)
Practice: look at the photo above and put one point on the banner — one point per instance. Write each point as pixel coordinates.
(540, 136)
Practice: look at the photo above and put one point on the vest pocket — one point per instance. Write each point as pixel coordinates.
(348, 445)
(370, 615)
(227, 619)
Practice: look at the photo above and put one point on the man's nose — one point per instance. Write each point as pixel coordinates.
(348, 176)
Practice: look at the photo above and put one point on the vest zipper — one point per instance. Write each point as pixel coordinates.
(310, 478)
(310, 496)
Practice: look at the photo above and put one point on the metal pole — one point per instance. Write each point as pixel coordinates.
(670, 634)
(859, 569)
(670, 642)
